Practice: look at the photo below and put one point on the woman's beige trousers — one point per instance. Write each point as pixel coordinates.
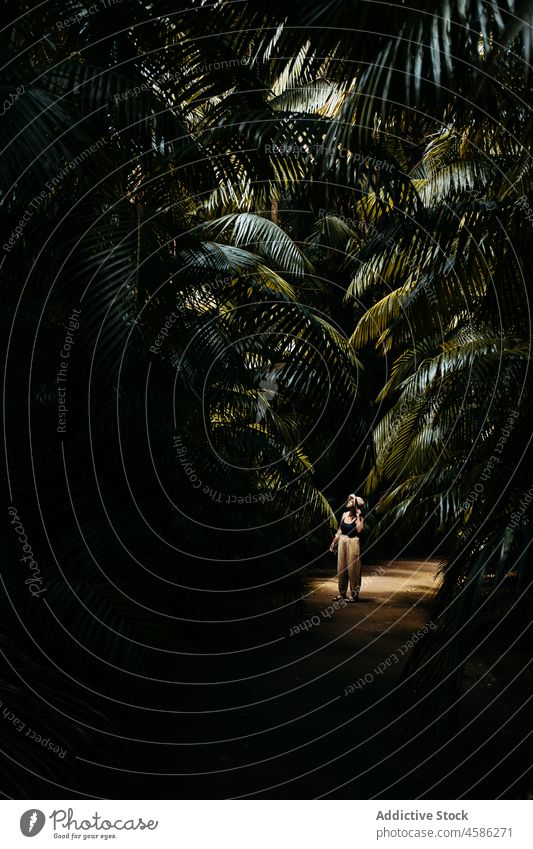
(348, 564)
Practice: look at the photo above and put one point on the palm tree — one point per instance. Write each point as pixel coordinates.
(175, 479)
(447, 293)
(204, 187)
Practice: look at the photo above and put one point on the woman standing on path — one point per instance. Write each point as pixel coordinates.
(347, 540)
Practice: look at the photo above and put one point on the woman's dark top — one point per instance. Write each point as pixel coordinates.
(349, 529)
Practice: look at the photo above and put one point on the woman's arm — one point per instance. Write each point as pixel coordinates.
(359, 523)
(335, 539)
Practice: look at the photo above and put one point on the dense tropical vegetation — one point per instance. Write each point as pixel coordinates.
(298, 241)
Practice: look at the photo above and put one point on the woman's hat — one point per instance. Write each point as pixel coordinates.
(357, 498)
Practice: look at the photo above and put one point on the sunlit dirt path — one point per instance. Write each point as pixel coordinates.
(294, 725)
(338, 667)
(308, 706)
